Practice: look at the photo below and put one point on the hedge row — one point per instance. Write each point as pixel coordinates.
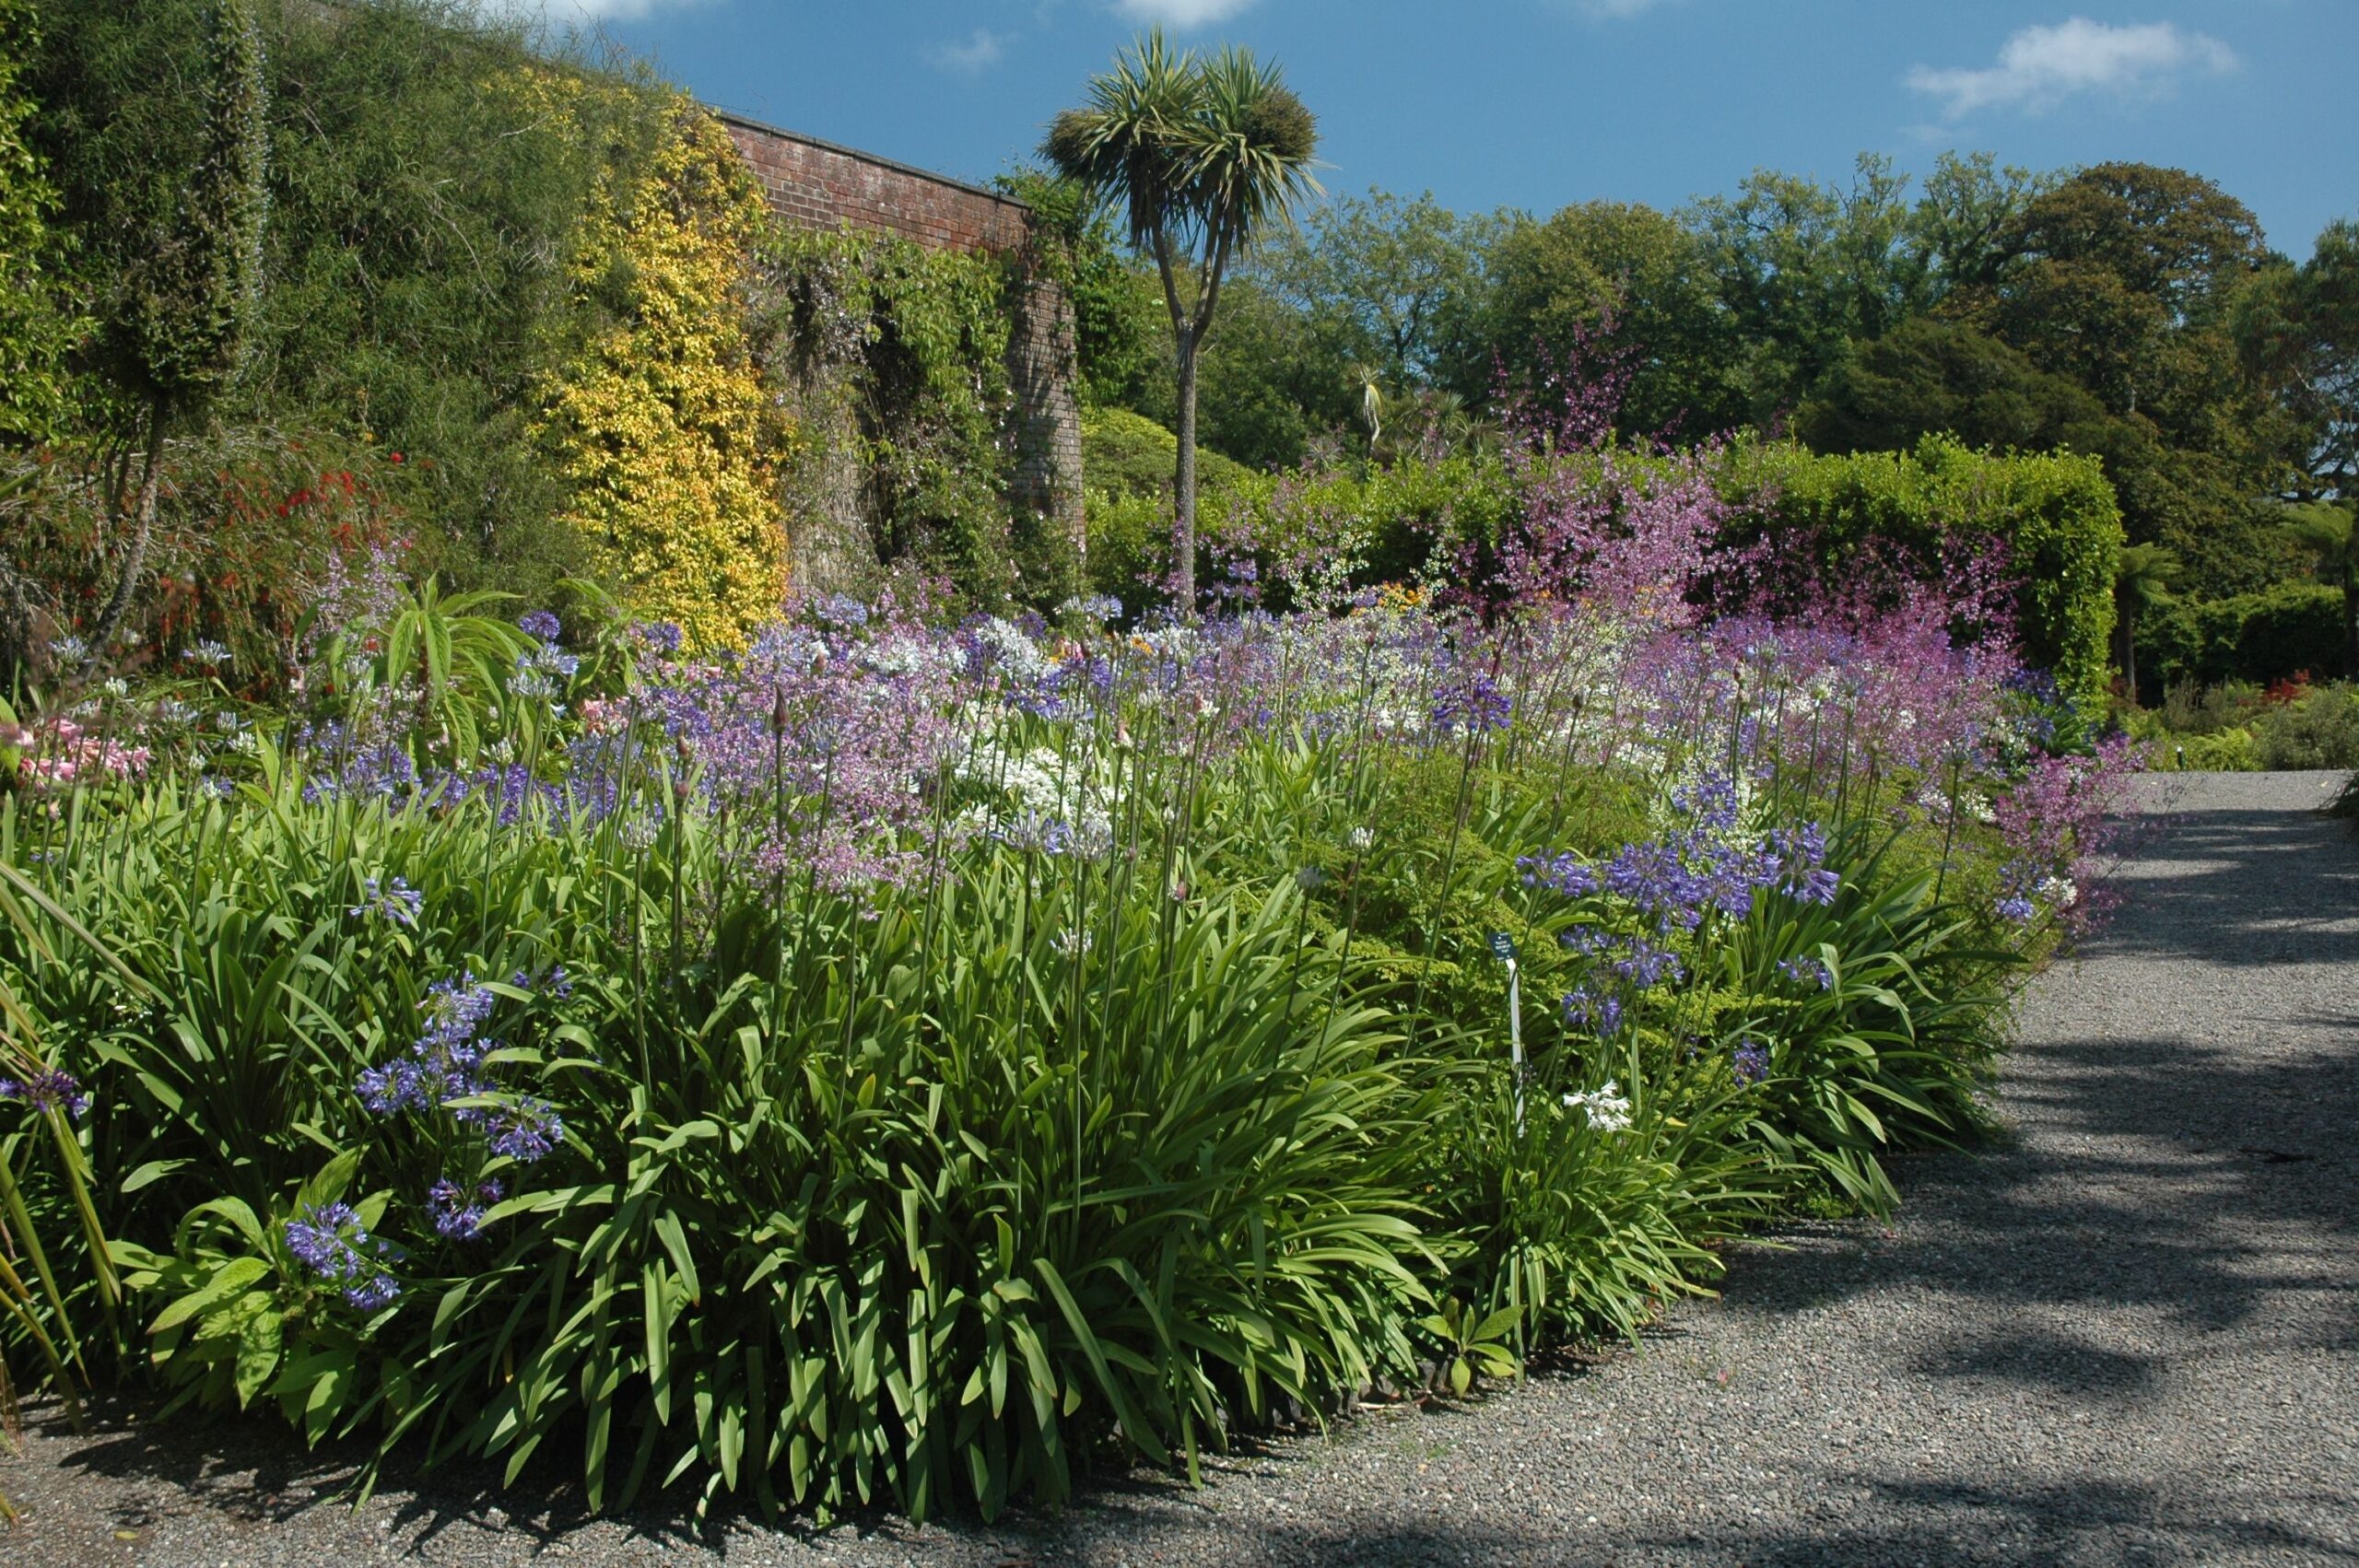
(2279, 631)
(2054, 513)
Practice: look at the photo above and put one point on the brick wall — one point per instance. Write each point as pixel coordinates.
(819, 185)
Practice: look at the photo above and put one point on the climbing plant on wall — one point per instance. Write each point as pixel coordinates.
(660, 422)
(904, 352)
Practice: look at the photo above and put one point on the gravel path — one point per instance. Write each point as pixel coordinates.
(2129, 1334)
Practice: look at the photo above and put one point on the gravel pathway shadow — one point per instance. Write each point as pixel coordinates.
(2128, 1333)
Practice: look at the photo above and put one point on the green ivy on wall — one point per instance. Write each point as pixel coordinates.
(875, 340)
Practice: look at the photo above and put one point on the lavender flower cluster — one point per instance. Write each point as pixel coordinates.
(330, 1240)
(445, 1070)
(50, 1089)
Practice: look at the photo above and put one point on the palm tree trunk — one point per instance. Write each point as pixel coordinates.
(142, 529)
(2128, 640)
(1183, 485)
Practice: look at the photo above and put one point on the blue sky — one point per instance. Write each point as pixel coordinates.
(1538, 103)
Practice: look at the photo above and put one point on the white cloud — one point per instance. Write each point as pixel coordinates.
(979, 52)
(2040, 66)
(1180, 13)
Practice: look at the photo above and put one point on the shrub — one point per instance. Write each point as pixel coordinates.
(2320, 730)
(2261, 636)
(1874, 521)
(2054, 516)
(658, 426)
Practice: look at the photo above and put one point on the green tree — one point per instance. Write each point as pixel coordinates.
(1929, 376)
(1204, 156)
(2299, 329)
(2329, 531)
(1386, 282)
(1270, 380)
(1804, 269)
(1636, 284)
(2125, 278)
(178, 327)
(1955, 236)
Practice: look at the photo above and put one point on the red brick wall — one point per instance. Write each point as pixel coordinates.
(822, 186)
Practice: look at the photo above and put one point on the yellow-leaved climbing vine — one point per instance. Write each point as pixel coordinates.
(659, 421)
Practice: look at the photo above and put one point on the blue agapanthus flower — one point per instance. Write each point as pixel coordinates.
(330, 1240)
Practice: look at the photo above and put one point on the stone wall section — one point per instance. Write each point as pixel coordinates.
(818, 184)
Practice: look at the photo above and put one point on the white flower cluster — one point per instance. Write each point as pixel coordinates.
(2059, 892)
(1017, 655)
(1052, 801)
(1608, 1108)
(903, 655)
(1973, 805)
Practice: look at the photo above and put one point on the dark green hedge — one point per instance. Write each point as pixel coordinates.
(2251, 637)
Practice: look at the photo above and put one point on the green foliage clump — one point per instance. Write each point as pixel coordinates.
(37, 324)
(2267, 635)
(2319, 730)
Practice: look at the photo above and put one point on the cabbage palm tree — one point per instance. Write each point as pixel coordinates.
(1202, 155)
(2141, 576)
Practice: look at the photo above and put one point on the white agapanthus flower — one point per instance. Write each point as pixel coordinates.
(1017, 654)
(1052, 803)
(901, 655)
(2059, 892)
(1608, 1108)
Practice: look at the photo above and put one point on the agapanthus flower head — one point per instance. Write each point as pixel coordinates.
(1646, 965)
(1807, 971)
(330, 1240)
(446, 1063)
(1750, 1062)
(523, 1129)
(212, 655)
(50, 1089)
(661, 637)
(541, 625)
(841, 609)
(398, 902)
(1600, 1014)
(1564, 872)
(1606, 1108)
(458, 1211)
(1475, 705)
